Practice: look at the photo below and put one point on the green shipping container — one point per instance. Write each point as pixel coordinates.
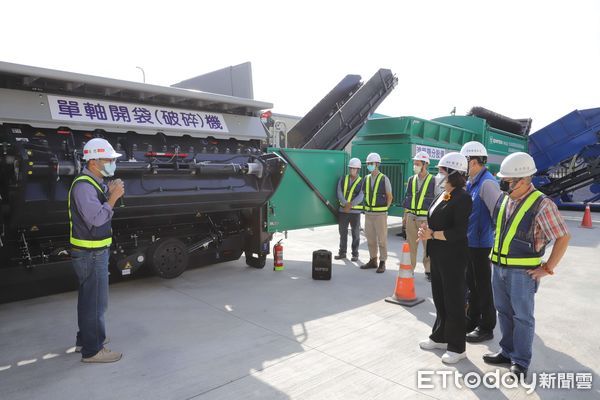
(398, 139)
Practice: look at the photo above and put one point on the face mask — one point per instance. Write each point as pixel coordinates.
(439, 179)
(506, 186)
(109, 169)
(371, 168)
(417, 169)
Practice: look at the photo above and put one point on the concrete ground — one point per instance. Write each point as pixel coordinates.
(231, 332)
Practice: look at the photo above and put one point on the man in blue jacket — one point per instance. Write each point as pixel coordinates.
(481, 314)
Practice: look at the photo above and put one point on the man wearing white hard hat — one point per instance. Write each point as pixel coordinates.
(378, 198)
(350, 195)
(420, 192)
(446, 234)
(526, 221)
(90, 205)
(481, 314)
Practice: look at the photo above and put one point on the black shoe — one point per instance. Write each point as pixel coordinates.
(381, 267)
(519, 371)
(370, 265)
(354, 258)
(496, 358)
(428, 276)
(478, 335)
(340, 257)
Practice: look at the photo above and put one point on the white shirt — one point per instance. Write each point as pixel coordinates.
(436, 203)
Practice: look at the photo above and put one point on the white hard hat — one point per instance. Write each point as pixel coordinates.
(373, 157)
(422, 156)
(473, 149)
(517, 165)
(354, 163)
(455, 161)
(98, 148)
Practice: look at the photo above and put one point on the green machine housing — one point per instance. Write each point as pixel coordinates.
(397, 139)
(295, 205)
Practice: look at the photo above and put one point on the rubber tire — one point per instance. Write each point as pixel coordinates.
(255, 262)
(168, 258)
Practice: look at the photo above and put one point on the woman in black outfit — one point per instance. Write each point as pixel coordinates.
(447, 247)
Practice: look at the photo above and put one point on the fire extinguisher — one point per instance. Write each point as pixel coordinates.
(278, 256)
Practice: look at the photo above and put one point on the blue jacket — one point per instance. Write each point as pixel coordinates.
(481, 230)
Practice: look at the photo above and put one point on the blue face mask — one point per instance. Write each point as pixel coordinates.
(109, 169)
(371, 168)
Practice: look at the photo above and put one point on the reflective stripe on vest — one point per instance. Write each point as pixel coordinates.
(501, 248)
(417, 208)
(349, 196)
(371, 201)
(86, 244)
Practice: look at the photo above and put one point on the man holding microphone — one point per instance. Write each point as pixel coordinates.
(91, 203)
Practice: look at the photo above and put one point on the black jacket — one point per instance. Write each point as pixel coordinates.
(452, 217)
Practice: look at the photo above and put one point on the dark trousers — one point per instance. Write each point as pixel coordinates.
(480, 311)
(448, 285)
(353, 220)
(91, 267)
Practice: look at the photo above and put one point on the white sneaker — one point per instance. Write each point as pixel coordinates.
(430, 345)
(451, 357)
(78, 348)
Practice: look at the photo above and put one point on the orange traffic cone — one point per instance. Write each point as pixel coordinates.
(404, 294)
(586, 222)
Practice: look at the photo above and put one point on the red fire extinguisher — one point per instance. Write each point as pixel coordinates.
(278, 256)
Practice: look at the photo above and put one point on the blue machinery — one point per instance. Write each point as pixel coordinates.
(567, 155)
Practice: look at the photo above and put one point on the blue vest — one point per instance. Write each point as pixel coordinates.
(99, 237)
(481, 231)
(521, 241)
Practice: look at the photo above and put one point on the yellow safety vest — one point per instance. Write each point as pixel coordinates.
(371, 199)
(501, 251)
(349, 196)
(79, 242)
(417, 207)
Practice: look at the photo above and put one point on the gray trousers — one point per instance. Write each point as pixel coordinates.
(345, 219)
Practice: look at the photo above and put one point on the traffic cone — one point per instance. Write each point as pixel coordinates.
(404, 293)
(586, 222)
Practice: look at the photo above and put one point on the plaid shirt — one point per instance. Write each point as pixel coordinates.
(549, 223)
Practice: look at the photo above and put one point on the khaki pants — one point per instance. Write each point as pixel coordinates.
(376, 232)
(412, 224)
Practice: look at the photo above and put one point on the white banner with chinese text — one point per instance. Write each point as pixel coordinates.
(435, 153)
(134, 115)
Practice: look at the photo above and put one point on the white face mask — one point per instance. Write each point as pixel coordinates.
(417, 169)
(440, 178)
(109, 169)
